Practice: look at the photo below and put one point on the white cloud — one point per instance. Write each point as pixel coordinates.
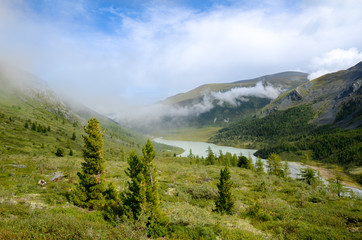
(169, 50)
(334, 60)
(146, 116)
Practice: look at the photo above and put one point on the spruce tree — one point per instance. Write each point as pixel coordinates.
(286, 169)
(244, 162)
(134, 199)
(259, 166)
(308, 175)
(225, 202)
(89, 192)
(275, 165)
(210, 159)
(149, 172)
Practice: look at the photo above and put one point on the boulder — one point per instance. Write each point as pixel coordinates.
(57, 176)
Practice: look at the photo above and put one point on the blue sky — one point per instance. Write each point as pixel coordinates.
(141, 52)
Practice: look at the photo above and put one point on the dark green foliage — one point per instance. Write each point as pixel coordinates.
(210, 159)
(225, 202)
(59, 152)
(270, 128)
(308, 175)
(89, 191)
(141, 200)
(244, 162)
(134, 199)
(341, 147)
(70, 152)
(113, 207)
(157, 220)
(73, 136)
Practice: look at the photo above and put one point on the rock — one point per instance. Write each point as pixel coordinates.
(17, 166)
(295, 95)
(57, 176)
(42, 182)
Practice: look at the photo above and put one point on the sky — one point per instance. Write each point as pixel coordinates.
(111, 53)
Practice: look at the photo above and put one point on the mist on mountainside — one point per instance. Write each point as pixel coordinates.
(173, 115)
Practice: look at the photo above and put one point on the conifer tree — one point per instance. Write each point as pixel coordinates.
(286, 169)
(149, 172)
(134, 199)
(225, 202)
(90, 190)
(142, 196)
(275, 165)
(259, 166)
(244, 162)
(308, 175)
(210, 159)
(73, 136)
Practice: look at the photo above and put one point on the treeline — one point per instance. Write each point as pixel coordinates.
(344, 148)
(221, 159)
(286, 124)
(289, 131)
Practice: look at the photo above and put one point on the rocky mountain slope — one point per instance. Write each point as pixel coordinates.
(335, 98)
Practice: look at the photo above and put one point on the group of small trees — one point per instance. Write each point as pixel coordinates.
(34, 126)
(140, 201)
(276, 167)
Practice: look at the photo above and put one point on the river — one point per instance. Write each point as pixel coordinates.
(200, 148)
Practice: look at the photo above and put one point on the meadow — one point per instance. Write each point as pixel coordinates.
(266, 206)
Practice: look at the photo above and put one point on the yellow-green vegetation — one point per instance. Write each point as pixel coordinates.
(190, 134)
(266, 206)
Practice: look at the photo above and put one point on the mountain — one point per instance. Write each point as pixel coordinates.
(285, 80)
(321, 118)
(335, 98)
(35, 120)
(220, 103)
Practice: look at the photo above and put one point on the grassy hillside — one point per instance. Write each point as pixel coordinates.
(266, 206)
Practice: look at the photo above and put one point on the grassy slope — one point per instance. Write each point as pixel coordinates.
(267, 207)
(189, 134)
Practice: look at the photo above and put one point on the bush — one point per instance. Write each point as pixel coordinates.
(59, 152)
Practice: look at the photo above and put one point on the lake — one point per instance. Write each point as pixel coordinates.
(200, 148)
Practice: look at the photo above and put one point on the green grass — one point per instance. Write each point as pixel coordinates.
(189, 134)
(281, 209)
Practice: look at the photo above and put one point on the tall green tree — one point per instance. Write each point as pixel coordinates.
(149, 172)
(210, 159)
(274, 166)
(308, 175)
(134, 200)
(259, 166)
(142, 198)
(286, 169)
(89, 192)
(225, 202)
(244, 162)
